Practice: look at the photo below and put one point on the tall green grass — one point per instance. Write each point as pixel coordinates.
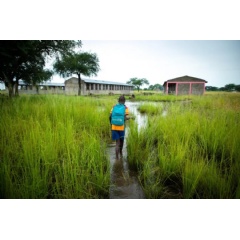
(192, 152)
(160, 97)
(150, 108)
(54, 147)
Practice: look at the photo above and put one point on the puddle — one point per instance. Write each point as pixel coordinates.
(124, 183)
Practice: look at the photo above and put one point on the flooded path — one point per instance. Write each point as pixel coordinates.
(124, 183)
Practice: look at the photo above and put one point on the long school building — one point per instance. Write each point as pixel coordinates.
(89, 86)
(70, 87)
(41, 88)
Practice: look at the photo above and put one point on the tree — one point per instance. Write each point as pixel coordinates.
(237, 87)
(157, 87)
(230, 87)
(211, 88)
(36, 76)
(222, 89)
(82, 63)
(151, 87)
(20, 58)
(138, 82)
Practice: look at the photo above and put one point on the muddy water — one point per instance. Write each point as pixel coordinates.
(124, 183)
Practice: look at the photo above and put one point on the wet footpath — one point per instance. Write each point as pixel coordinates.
(124, 183)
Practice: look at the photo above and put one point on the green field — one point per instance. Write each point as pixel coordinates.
(56, 146)
(193, 151)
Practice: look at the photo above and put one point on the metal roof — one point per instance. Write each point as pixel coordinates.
(105, 82)
(101, 82)
(21, 82)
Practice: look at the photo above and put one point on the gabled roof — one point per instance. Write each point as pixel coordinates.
(101, 81)
(186, 78)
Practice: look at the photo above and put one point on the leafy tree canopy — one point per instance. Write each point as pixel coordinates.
(82, 63)
(230, 87)
(21, 59)
(237, 88)
(211, 88)
(138, 82)
(155, 87)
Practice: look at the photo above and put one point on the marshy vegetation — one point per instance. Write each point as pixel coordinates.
(191, 152)
(55, 146)
(159, 97)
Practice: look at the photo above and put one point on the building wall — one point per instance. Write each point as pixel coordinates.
(183, 88)
(198, 88)
(46, 90)
(71, 87)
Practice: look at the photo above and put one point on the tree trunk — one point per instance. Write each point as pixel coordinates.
(16, 88)
(37, 88)
(79, 85)
(10, 89)
(9, 83)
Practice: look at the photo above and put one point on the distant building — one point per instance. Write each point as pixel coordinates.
(185, 85)
(41, 88)
(89, 86)
(70, 87)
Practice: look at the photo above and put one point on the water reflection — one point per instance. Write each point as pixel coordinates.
(140, 118)
(124, 184)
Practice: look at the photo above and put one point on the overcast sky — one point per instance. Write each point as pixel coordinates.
(217, 62)
(130, 28)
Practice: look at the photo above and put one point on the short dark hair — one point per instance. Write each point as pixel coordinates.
(121, 99)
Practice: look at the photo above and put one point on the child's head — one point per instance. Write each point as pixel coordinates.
(121, 99)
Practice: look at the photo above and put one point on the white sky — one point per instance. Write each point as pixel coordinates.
(131, 38)
(218, 62)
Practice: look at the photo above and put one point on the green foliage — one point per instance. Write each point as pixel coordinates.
(54, 147)
(211, 88)
(237, 88)
(150, 108)
(160, 97)
(82, 63)
(138, 82)
(192, 151)
(230, 87)
(21, 59)
(155, 87)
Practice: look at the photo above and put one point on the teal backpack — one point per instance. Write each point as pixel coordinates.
(118, 115)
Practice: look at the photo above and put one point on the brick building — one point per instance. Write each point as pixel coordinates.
(185, 85)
